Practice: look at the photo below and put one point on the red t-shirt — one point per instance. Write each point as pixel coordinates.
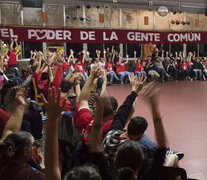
(4, 117)
(66, 64)
(67, 104)
(109, 67)
(144, 62)
(16, 171)
(138, 67)
(83, 121)
(120, 68)
(206, 65)
(81, 67)
(176, 64)
(12, 57)
(184, 66)
(42, 85)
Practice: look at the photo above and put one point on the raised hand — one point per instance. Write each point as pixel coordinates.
(135, 52)
(20, 97)
(137, 83)
(96, 71)
(88, 53)
(150, 92)
(53, 106)
(71, 51)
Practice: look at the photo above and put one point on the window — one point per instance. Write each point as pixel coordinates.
(77, 47)
(133, 47)
(92, 49)
(28, 46)
(109, 45)
(191, 47)
(176, 47)
(203, 49)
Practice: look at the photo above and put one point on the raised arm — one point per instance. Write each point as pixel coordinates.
(151, 95)
(103, 85)
(72, 56)
(50, 73)
(162, 56)
(53, 110)
(113, 57)
(15, 120)
(105, 55)
(39, 65)
(123, 112)
(84, 95)
(127, 59)
(11, 45)
(95, 136)
(135, 57)
(68, 77)
(98, 53)
(16, 43)
(84, 56)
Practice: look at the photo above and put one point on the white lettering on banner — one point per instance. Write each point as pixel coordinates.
(4, 32)
(138, 36)
(7, 33)
(12, 35)
(104, 37)
(112, 36)
(83, 35)
(188, 37)
(87, 35)
(49, 34)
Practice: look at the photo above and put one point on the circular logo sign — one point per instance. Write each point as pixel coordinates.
(162, 11)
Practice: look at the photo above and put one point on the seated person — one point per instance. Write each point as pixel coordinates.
(121, 68)
(138, 66)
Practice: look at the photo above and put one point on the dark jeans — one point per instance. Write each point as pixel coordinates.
(173, 72)
(162, 74)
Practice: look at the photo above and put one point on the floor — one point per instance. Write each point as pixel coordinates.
(183, 106)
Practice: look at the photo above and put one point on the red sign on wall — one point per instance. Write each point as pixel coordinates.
(99, 36)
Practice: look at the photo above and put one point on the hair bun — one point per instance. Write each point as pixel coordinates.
(10, 150)
(126, 173)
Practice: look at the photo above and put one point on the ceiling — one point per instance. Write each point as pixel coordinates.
(195, 6)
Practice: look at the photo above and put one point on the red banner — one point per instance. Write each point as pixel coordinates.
(99, 36)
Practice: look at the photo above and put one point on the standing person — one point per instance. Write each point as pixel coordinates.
(11, 53)
(121, 68)
(138, 66)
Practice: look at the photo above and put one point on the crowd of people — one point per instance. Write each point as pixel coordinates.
(87, 136)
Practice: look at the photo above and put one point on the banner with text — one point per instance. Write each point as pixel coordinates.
(99, 36)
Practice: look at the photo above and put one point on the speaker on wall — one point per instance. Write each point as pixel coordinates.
(206, 12)
(32, 3)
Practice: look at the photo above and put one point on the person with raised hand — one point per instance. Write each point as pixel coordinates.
(53, 110)
(16, 146)
(15, 120)
(115, 135)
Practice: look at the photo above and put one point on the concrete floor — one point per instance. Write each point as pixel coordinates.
(183, 106)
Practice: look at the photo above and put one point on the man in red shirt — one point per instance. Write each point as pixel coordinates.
(82, 117)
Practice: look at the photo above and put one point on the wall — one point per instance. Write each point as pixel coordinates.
(114, 18)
